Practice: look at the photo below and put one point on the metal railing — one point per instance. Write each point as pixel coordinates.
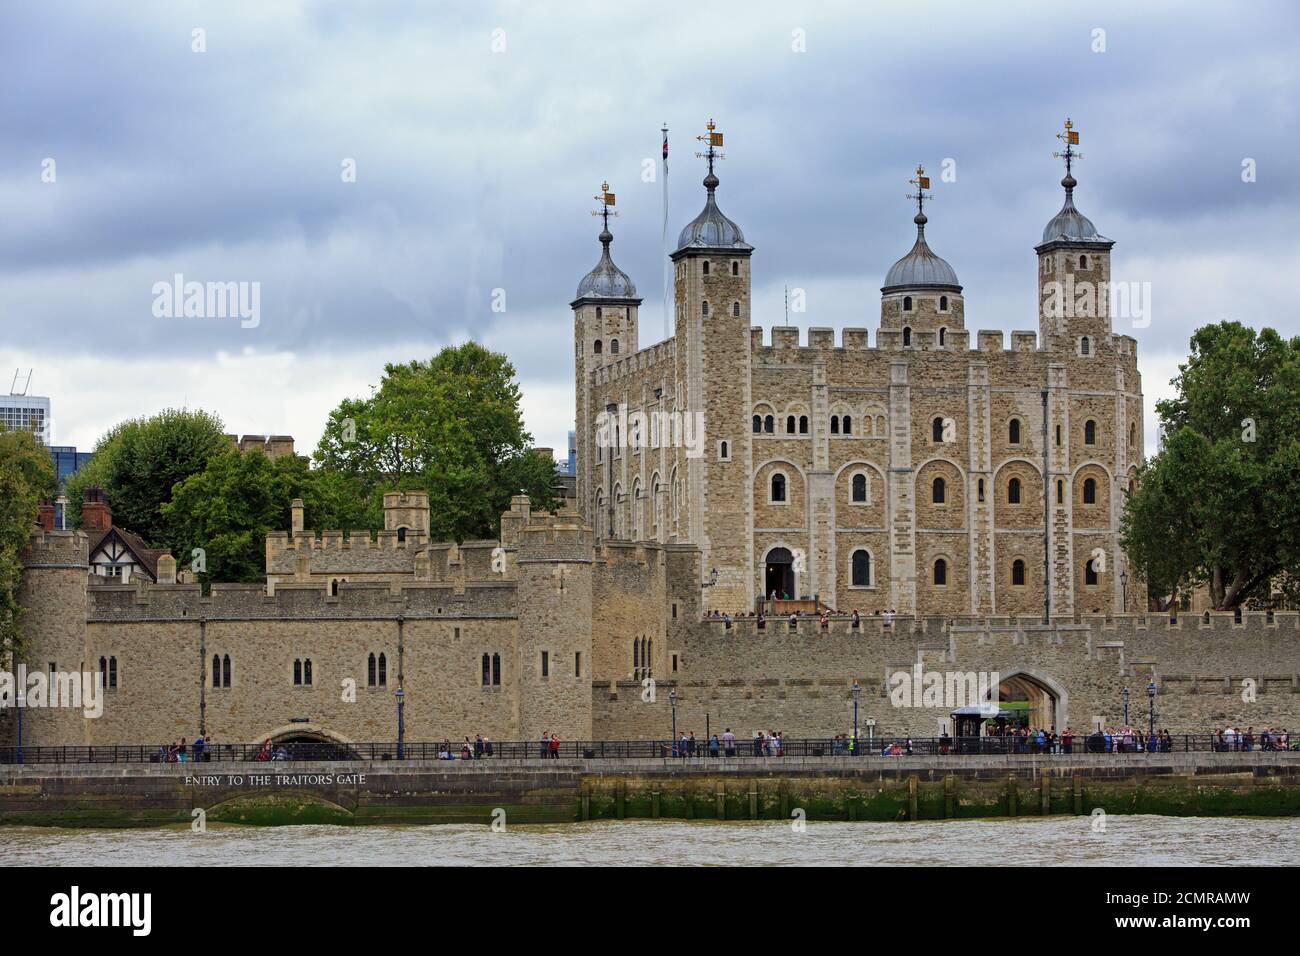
(873, 747)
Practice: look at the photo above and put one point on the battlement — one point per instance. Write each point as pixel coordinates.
(47, 548)
(360, 540)
(785, 338)
(646, 358)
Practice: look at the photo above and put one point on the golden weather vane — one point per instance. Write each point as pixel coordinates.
(606, 199)
(922, 183)
(714, 139)
(1070, 137)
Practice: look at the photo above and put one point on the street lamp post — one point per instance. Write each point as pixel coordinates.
(1123, 584)
(1151, 710)
(1126, 706)
(672, 700)
(400, 694)
(857, 689)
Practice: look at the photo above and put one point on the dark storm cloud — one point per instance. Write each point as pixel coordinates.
(475, 168)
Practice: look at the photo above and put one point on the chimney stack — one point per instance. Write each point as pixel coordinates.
(45, 515)
(95, 515)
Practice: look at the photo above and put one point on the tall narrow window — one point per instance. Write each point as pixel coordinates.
(372, 672)
(861, 569)
(907, 330)
(297, 671)
(758, 424)
(735, 309)
(1058, 436)
(1013, 491)
(735, 267)
(1018, 573)
(487, 670)
(306, 671)
(704, 309)
(1085, 347)
(599, 347)
(789, 424)
(859, 487)
(216, 671)
(938, 491)
(848, 424)
(401, 534)
(496, 670)
(1089, 574)
(577, 663)
(1090, 432)
(705, 265)
(907, 307)
(943, 307)
(803, 424)
(383, 671)
(1060, 491)
(940, 572)
(1013, 431)
(112, 673)
(778, 487)
(835, 424)
(769, 424)
(613, 346)
(936, 430)
(1089, 491)
(943, 334)
(546, 663)
(225, 671)
(980, 489)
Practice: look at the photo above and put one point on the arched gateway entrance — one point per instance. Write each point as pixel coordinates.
(310, 743)
(1036, 700)
(778, 577)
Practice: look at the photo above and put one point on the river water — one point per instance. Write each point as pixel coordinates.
(1125, 841)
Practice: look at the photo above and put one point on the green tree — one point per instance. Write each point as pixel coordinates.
(229, 508)
(138, 462)
(26, 476)
(452, 427)
(1218, 505)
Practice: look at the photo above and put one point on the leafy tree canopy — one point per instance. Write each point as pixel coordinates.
(451, 426)
(26, 476)
(1218, 506)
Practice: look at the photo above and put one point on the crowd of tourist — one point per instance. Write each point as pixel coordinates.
(824, 617)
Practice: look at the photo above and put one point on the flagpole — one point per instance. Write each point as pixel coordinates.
(664, 238)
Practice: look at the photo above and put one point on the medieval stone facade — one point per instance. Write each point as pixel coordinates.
(935, 471)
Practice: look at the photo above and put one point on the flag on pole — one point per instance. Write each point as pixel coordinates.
(664, 239)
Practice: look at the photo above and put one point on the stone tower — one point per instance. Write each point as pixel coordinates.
(604, 328)
(921, 293)
(405, 511)
(1073, 274)
(713, 493)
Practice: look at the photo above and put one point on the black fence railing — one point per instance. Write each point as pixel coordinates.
(876, 746)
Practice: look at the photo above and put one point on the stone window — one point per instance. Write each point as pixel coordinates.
(302, 672)
(936, 430)
(1018, 573)
(1013, 431)
(1060, 491)
(769, 424)
(1083, 262)
(907, 307)
(1089, 574)
(789, 424)
(613, 346)
(907, 331)
(1058, 436)
(860, 488)
(943, 335)
(1013, 491)
(980, 487)
(1085, 346)
(705, 267)
(1090, 432)
(724, 451)
(938, 491)
(704, 309)
(383, 671)
(496, 670)
(835, 424)
(577, 663)
(940, 573)
(599, 347)
(372, 670)
(735, 308)
(778, 488)
(848, 424)
(758, 424)
(599, 312)
(401, 535)
(943, 307)
(735, 267)
(546, 663)
(216, 671)
(1089, 491)
(861, 568)
(108, 672)
(803, 424)
(225, 671)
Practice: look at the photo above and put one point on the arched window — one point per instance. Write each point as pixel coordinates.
(1058, 436)
(401, 534)
(789, 424)
(769, 424)
(861, 569)
(599, 312)
(940, 572)
(216, 671)
(943, 335)
(613, 346)
(496, 670)
(758, 424)
(735, 267)
(1089, 491)
(1060, 491)
(1090, 432)
(907, 304)
(1013, 491)
(859, 487)
(1085, 347)
(599, 347)
(937, 491)
(1132, 434)
(706, 266)
(936, 430)
(835, 424)
(907, 332)
(297, 671)
(306, 670)
(943, 307)
(735, 308)
(1083, 262)
(1089, 574)
(725, 451)
(334, 588)
(803, 424)
(980, 487)
(704, 309)
(848, 424)
(383, 671)
(372, 673)
(1018, 572)
(225, 671)
(1013, 431)
(487, 671)
(778, 487)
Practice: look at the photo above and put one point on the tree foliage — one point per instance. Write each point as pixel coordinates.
(138, 462)
(1218, 506)
(26, 476)
(450, 426)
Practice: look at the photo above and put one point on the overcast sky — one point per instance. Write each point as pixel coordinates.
(480, 131)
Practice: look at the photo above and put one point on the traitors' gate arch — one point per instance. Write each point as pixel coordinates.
(1047, 699)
